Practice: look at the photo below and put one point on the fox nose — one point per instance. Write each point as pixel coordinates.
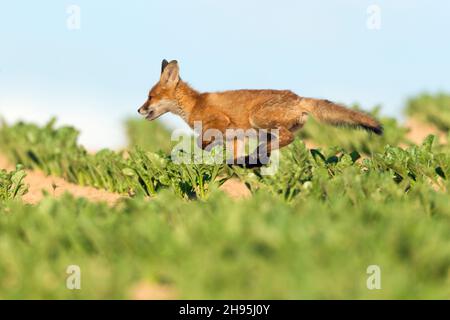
(142, 111)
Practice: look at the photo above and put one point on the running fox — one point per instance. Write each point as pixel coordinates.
(245, 109)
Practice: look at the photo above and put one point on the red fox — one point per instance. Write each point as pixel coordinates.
(282, 110)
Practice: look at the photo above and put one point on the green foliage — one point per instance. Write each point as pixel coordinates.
(56, 152)
(355, 140)
(148, 135)
(186, 180)
(12, 184)
(416, 163)
(431, 108)
(261, 248)
(303, 172)
(308, 231)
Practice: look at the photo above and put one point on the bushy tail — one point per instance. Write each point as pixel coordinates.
(337, 115)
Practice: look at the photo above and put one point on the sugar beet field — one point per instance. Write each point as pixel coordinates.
(133, 224)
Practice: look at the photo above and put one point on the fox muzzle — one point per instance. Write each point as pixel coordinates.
(147, 112)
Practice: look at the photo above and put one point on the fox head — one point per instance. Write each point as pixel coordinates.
(162, 97)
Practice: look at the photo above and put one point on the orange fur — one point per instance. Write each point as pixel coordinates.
(245, 109)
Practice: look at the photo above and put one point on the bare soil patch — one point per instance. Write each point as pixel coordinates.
(418, 131)
(38, 182)
(235, 189)
(150, 291)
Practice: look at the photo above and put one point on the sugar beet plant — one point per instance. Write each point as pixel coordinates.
(330, 172)
(258, 248)
(301, 172)
(12, 184)
(56, 152)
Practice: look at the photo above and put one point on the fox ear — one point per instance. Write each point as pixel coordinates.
(164, 64)
(170, 76)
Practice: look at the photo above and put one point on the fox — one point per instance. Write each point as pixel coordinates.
(280, 110)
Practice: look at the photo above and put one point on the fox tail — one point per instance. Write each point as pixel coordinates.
(334, 114)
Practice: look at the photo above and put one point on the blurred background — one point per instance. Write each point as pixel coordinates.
(91, 64)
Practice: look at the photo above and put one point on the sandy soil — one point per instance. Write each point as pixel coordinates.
(418, 131)
(38, 181)
(235, 189)
(150, 291)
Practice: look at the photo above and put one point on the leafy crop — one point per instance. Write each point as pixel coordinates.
(355, 140)
(308, 231)
(148, 135)
(56, 152)
(253, 249)
(12, 184)
(303, 172)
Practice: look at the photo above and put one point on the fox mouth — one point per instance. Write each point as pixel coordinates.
(150, 115)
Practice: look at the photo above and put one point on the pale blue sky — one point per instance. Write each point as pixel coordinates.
(98, 75)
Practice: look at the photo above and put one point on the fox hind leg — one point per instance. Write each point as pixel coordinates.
(279, 122)
(261, 155)
(277, 138)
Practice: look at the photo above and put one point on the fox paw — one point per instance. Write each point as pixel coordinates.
(249, 162)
